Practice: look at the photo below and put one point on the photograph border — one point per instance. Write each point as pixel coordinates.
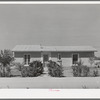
(72, 94)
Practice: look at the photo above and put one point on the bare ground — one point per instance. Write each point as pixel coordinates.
(45, 81)
(50, 82)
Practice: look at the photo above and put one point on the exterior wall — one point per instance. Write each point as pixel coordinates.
(19, 56)
(65, 56)
(20, 60)
(85, 61)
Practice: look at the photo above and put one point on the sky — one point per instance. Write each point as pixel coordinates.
(53, 24)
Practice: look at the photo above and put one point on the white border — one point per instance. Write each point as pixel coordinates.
(47, 93)
(50, 2)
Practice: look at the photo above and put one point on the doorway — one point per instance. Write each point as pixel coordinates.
(45, 62)
(45, 57)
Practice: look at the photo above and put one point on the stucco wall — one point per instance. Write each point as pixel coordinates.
(65, 56)
(20, 60)
(20, 55)
(33, 54)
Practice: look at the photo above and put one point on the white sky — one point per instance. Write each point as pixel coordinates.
(66, 24)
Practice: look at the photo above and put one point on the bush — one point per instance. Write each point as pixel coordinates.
(85, 71)
(5, 71)
(54, 69)
(35, 68)
(24, 71)
(6, 58)
(80, 70)
(95, 73)
(18, 65)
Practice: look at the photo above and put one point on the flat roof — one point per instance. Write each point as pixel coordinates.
(22, 48)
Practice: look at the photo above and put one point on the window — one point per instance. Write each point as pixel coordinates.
(59, 56)
(26, 59)
(75, 58)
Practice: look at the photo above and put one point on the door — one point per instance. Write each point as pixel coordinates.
(75, 58)
(45, 58)
(45, 62)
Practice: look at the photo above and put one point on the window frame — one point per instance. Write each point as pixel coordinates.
(29, 58)
(27, 61)
(77, 56)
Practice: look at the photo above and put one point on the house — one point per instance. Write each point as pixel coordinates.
(67, 54)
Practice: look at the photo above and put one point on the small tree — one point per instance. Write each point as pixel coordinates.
(6, 57)
(79, 69)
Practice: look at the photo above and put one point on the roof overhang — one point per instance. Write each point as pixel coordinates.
(38, 48)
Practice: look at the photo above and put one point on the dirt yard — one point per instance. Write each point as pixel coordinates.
(50, 82)
(47, 82)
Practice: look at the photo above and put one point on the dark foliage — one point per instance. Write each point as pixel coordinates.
(80, 70)
(54, 69)
(24, 71)
(5, 71)
(6, 58)
(34, 69)
(95, 73)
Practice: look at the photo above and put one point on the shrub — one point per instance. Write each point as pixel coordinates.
(95, 73)
(54, 69)
(35, 68)
(5, 71)
(76, 70)
(80, 70)
(24, 71)
(85, 71)
(18, 65)
(6, 58)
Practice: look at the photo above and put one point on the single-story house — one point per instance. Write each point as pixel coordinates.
(67, 54)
